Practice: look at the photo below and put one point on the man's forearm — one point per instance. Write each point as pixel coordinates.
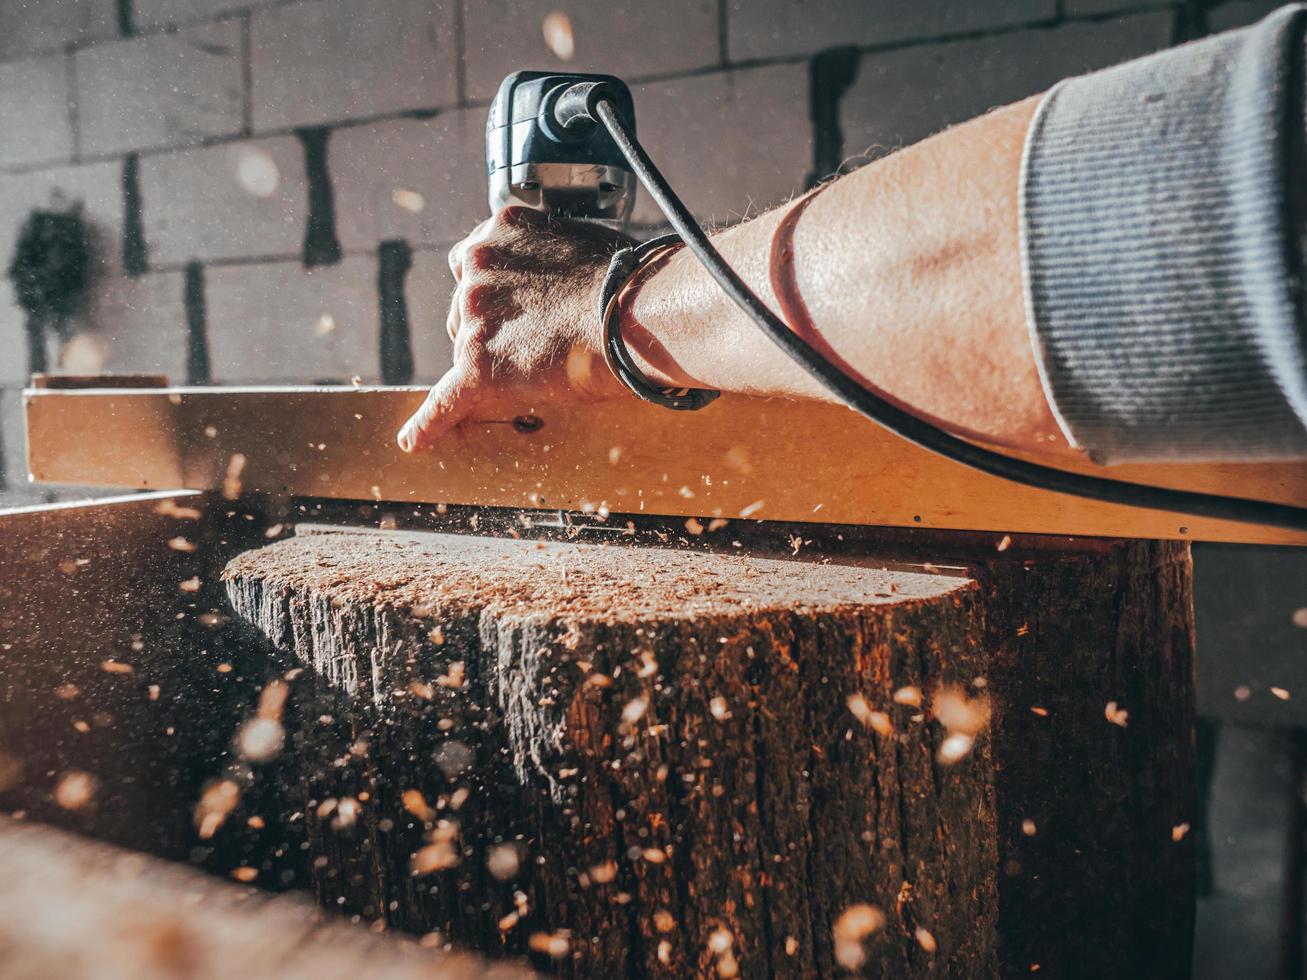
(907, 272)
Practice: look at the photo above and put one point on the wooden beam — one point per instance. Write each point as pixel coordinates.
(759, 459)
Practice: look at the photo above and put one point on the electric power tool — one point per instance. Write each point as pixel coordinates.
(534, 159)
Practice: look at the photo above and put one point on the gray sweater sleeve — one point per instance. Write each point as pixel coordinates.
(1162, 241)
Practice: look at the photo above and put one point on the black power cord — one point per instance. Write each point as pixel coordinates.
(588, 101)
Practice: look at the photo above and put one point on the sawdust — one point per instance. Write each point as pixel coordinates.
(442, 575)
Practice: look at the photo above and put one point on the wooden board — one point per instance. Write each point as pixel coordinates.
(759, 459)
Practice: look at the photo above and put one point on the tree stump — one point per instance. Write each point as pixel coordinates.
(650, 763)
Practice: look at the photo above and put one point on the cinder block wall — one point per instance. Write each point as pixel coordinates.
(258, 174)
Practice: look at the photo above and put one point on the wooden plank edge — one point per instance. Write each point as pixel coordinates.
(741, 458)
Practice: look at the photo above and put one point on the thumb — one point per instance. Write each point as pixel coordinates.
(447, 404)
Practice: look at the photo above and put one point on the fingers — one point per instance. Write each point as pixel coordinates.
(519, 254)
(521, 216)
(455, 318)
(447, 404)
(457, 253)
(456, 258)
(521, 238)
(457, 265)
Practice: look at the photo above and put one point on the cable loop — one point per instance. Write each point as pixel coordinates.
(622, 269)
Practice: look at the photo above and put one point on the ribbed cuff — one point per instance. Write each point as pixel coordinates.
(1161, 253)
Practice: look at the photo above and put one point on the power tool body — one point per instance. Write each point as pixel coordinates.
(534, 159)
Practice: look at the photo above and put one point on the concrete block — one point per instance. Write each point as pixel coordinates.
(162, 13)
(238, 200)
(329, 60)
(1240, 13)
(422, 180)
(278, 322)
(13, 338)
(901, 97)
(629, 38)
(31, 26)
(13, 449)
(1251, 816)
(430, 287)
(731, 143)
(127, 325)
(161, 91)
(134, 325)
(788, 28)
(97, 187)
(15, 355)
(35, 125)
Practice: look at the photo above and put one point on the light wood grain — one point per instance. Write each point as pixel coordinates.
(72, 908)
(768, 460)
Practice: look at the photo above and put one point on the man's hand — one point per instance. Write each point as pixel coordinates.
(524, 319)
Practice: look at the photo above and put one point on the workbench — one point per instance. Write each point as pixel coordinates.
(616, 692)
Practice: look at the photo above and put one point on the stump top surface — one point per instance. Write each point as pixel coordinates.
(585, 581)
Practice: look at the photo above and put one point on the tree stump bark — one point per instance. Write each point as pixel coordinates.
(637, 762)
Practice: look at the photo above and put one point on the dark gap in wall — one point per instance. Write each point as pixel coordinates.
(830, 73)
(723, 47)
(395, 258)
(460, 56)
(38, 361)
(197, 338)
(135, 257)
(247, 74)
(1190, 21)
(126, 28)
(1207, 731)
(321, 247)
(74, 110)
